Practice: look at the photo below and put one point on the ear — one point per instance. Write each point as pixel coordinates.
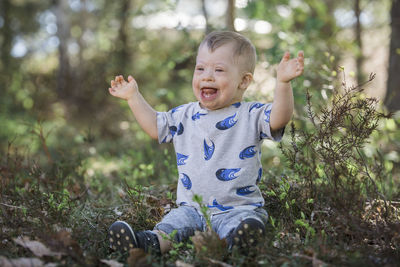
(246, 80)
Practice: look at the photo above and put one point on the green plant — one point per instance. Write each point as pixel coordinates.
(330, 162)
(58, 201)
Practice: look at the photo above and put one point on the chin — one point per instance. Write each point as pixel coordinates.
(209, 106)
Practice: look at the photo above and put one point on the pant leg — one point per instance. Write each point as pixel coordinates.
(225, 223)
(185, 219)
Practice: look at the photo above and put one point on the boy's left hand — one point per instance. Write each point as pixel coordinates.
(288, 69)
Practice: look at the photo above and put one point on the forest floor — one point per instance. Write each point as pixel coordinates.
(47, 220)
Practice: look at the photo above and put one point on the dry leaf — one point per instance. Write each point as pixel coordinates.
(138, 258)
(36, 247)
(63, 242)
(112, 263)
(20, 262)
(64, 236)
(208, 244)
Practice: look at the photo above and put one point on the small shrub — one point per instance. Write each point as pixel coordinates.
(336, 177)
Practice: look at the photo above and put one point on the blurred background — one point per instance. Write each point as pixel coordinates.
(58, 57)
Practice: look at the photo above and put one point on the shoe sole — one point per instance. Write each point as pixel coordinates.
(248, 233)
(121, 237)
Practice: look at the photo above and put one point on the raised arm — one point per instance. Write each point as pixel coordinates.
(282, 108)
(143, 112)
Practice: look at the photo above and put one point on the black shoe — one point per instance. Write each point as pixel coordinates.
(122, 238)
(248, 233)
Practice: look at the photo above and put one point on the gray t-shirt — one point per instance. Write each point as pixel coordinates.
(218, 152)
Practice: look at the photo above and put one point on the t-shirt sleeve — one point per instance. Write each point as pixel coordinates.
(164, 122)
(264, 124)
(168, 126)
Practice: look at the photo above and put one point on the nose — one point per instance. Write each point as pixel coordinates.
(208, 75)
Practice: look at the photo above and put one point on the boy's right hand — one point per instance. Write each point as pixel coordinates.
(123, 89)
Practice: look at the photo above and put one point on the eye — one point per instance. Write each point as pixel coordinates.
(200, 68)
(219, 70)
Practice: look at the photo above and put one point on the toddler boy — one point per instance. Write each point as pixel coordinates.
(217, 141)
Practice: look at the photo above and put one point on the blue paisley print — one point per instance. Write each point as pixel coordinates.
(263, 135)
(176, 108)
(255, 105)
(243, 191)
(198, 115)
(180, 159)
(248, 152)
(267, 115)
(180, 129)
(260, 171)
(172, 130)
(187, 183)
(208, 150)
(226, 123)
(227, 174)
(236, 105)
(219, 206)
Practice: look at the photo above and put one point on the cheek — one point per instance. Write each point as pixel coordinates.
(194, 82)
(225, 83)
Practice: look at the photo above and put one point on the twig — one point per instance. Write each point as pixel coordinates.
(44, 145)
(373, 182)
(80, 195)
(11, 206)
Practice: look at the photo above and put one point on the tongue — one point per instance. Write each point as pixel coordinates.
(209, 90)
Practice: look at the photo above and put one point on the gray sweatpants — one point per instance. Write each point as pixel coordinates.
(186, 220)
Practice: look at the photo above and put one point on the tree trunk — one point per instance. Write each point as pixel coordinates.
(205, 14)
(63, 29)
(6, 64)
(7, 34)
(358, 33)
(392, 99)
(123, 53)
(83, 26)
(230, 16)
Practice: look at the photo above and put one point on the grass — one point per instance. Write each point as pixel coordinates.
(74, 222)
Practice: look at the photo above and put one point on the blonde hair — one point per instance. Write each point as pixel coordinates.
(244, 50)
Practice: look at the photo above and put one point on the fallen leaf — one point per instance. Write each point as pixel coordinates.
(138, 258)
(208, 244)
(62, 241)
(20, 262)
(36, 247)
(112, 263)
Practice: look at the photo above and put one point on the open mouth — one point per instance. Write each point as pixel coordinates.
(208, 93)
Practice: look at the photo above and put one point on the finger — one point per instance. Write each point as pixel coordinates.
(130, 78)
(300, 70)
(116, 82)
(112, 83)
(300, 55)
(286, 56)
(112, 91)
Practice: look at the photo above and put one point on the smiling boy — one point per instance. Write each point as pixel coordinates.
(217, 141)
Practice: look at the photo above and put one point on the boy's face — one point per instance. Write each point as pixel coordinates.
(217, 79)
